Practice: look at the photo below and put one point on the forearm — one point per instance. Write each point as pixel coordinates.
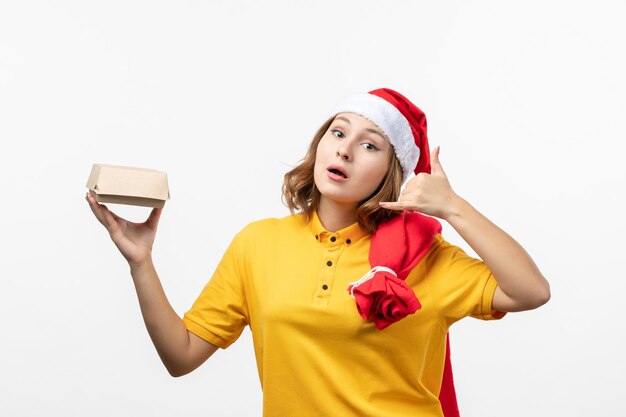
(514, 270)
(165, 327)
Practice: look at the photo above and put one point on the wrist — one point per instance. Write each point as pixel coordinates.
(141, 266)
(456, 208)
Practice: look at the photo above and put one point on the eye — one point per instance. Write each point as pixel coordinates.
(337, 133)
(370, 147)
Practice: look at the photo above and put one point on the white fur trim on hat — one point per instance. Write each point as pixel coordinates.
(389, 119)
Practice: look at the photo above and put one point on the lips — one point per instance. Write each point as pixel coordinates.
(338, 171)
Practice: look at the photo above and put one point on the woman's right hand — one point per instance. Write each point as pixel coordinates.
(134, 240)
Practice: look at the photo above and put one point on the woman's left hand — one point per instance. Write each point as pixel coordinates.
(429, 194)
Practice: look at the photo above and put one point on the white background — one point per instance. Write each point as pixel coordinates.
(527, 101)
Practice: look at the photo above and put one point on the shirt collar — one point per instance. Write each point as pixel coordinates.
(348, 235)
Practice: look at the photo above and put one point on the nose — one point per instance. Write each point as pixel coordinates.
(343, 153)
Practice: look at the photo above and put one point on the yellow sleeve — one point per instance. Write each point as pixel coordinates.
(220, 312)
(461, 285)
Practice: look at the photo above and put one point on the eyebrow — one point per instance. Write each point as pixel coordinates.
(368, 129)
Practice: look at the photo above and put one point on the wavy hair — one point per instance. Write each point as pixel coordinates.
(300, 193)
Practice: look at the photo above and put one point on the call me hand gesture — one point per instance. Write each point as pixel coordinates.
(521, 286)
(429, 194)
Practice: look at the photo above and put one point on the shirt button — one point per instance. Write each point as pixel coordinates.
(332, 239)
(325, 287)
(348, 241)
(329, 263)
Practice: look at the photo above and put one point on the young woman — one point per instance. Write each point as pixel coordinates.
(349, 298)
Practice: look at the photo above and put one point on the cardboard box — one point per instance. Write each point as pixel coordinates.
(128, 185)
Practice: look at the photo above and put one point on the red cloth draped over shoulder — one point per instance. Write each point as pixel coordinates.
(384, 297)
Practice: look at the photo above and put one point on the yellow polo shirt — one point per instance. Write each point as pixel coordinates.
(315, 355)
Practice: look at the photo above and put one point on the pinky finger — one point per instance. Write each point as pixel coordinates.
(392, 205)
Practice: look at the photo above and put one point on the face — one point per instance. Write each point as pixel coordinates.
(352, 159)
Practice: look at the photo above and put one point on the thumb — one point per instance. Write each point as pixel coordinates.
(435, 165)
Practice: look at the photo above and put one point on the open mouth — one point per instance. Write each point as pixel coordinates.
(337, 172)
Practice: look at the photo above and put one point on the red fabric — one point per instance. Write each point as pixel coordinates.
(385, 299)
(400, 244)
(447, 395)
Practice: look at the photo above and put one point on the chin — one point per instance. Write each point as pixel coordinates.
(338, 194)
(343, 200)
(339, 197)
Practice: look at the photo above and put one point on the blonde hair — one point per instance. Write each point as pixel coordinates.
(300, 193)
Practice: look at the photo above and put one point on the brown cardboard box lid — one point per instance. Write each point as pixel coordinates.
(128, 185)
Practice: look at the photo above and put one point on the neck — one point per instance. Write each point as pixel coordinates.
(334, 215)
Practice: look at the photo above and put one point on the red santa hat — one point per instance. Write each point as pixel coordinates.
(398, 245)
